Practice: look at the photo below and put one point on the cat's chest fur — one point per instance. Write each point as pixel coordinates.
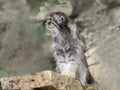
(65, 43)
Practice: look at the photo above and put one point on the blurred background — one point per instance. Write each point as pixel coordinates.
(25, 43)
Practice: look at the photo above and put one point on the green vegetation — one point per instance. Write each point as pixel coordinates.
(62, 1)
(42, 32)
(3, 27)
(3, 74)
(41, 2)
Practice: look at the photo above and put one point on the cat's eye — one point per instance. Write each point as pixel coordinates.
(62, 18)
(49, 18)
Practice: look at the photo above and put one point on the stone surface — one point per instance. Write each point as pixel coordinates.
(47, 8)
(46, 80)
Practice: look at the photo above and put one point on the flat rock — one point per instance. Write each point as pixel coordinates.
(46, 80)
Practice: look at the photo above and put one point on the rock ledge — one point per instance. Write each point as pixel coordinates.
(46, 80)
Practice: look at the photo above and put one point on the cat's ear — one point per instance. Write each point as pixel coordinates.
(72, 25)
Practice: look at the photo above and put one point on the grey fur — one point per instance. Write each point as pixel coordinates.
(68, 49)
